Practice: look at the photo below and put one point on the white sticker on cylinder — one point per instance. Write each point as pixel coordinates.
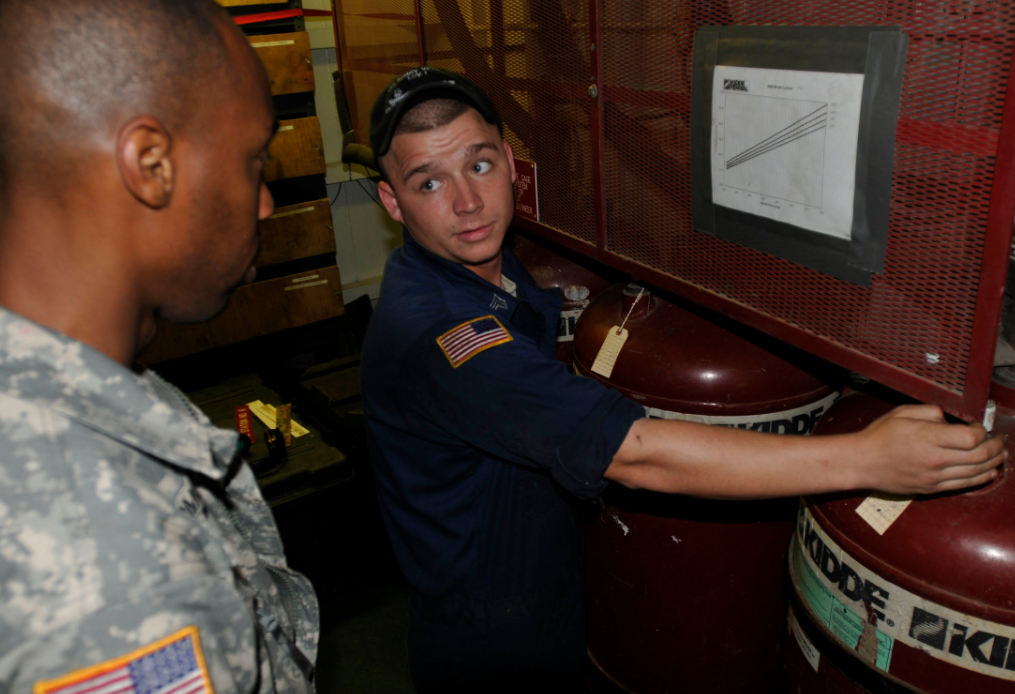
(567, 325)
(800, 420)
(881, 510)
(811, 653)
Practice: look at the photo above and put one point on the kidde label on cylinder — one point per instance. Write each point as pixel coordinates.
(800, 420)
(868, 615)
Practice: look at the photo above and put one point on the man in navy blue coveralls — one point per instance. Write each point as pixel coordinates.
(482, 442)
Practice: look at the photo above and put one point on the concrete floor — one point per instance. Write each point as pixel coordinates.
(364, 650)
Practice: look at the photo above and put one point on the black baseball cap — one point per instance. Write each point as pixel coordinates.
(416, 86)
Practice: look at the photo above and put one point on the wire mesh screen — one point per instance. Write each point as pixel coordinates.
(919, 314)
(377, 42)
(534, 58)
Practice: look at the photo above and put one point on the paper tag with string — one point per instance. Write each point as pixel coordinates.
(615, 339)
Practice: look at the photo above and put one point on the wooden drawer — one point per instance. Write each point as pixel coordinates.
(296, 231)
(286, 57)
(255, 309)
(297, 150)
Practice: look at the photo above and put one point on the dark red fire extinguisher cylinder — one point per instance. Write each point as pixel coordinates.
(889, 596)
(578, 278)
(687, 595)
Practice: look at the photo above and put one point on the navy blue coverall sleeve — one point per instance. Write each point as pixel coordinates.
(515, 403)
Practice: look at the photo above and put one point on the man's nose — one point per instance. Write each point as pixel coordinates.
(265, 202)
(467, 199)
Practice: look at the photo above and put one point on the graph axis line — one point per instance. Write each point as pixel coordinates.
(819, 106)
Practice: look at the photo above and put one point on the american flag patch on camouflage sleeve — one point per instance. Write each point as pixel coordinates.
(173, 665)
(469, 339)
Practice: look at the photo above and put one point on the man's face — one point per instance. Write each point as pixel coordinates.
(452, 187)
(220, 195)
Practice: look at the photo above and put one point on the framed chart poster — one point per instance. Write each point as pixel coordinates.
(792, 141)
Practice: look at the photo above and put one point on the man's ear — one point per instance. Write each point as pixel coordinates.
(511, 160)
(142, 155)
(390, 202)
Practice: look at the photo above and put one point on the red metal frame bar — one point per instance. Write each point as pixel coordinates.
(335, 15)
(497, 37)
(557, 236)
(875, 369)
(996, 250)
(418, 7)
(280, 14)
(598, 144)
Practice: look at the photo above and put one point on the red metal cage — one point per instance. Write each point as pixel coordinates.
(614, 162)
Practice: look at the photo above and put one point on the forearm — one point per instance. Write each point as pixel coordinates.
(723, 463)
(910, 450)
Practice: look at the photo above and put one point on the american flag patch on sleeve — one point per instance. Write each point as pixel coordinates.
(173, 665)
(469, 339)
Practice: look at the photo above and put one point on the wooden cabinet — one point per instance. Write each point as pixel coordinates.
(296, 231)
(297, 150)
(300, 234)
(254, 310)
(287, 59)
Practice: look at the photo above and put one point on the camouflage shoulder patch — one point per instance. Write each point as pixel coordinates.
(172, 664)
(462, 343)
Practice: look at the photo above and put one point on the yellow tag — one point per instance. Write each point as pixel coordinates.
(283, 422)
(608, 353)
(266, 413)
(881, 510)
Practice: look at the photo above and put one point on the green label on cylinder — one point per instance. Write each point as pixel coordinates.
(849, 628)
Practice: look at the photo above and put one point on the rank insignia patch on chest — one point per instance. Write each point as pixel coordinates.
(469, 339)
(171, 665)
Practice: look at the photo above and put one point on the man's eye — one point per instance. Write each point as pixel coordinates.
(430, 185)
(481, 167)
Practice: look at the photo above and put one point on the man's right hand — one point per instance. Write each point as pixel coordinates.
(911, 450)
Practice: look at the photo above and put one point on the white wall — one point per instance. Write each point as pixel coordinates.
(364, 233)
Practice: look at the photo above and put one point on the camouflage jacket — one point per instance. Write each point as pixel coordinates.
(128, 525)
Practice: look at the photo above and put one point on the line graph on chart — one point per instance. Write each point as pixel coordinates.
(774, 147)
(784, 145)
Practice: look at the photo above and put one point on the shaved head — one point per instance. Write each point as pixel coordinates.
(427, 115)
(133, 136)
(71, 70)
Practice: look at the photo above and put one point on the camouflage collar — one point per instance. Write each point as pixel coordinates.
(57, 373)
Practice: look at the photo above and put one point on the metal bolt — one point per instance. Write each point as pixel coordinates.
(593, 91)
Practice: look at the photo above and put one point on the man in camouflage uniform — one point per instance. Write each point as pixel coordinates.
(136, 552)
